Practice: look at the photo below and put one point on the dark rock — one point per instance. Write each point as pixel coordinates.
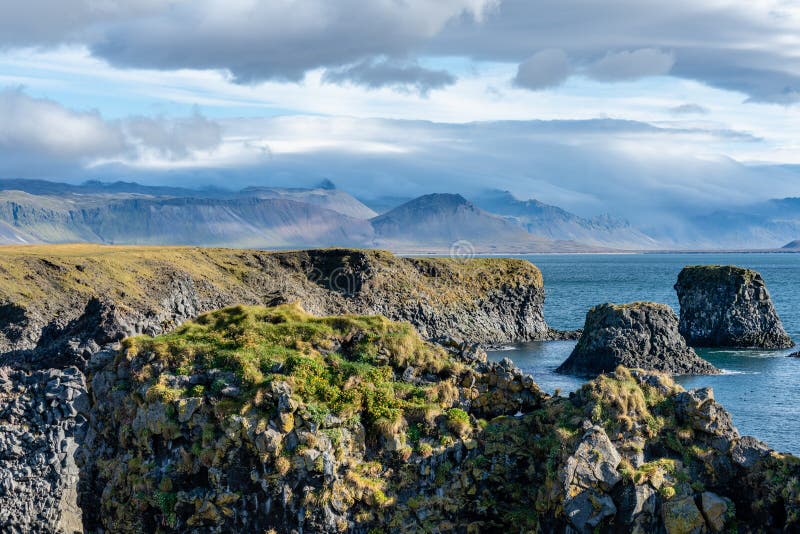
(748, 451)
(716, 510)
(727, 306)
(639, 335)
(699, 409)
(589, 472)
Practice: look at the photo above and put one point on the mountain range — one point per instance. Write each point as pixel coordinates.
(35, 211)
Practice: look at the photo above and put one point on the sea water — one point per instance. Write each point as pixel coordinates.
(760, 388)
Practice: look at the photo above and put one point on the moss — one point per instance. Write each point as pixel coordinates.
(716, 273)
(458, 421)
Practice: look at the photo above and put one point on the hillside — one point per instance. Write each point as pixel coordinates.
(440, 220)
(62, 298)
(248, 222)
(556, 223)
(331, 199)
(355, 424)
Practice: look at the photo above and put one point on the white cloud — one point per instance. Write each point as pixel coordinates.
(750, 47)
(39, 136)
(43, 126)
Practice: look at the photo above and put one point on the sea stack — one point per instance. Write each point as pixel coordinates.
(640, 335)
(728, 306)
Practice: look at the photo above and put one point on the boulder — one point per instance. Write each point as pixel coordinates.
(728, 306)
(639, 335)
(698, 408)
(716, 510)
(681, 516)
(589, 473)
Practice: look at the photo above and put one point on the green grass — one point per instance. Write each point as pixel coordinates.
(345, 365)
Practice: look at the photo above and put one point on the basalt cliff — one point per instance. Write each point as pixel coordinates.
(125, 406)
(59, 304)
(728, 306)
(640, 334)
(270, 419)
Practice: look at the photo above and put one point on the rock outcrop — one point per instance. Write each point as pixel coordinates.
(40, 428)
(728, 306)
(268, 419)
(638, 335)
(305, 432)
(60, 303)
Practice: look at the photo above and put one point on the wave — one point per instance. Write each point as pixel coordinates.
(734, 372)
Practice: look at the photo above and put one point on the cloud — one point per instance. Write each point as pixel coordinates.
(749, 47)
(631, 65)
(258, 41)
(40, 134)
(41, 137)
(398, 74)
(174, 138)
(548, 68)
(647, 173)
(689, 109)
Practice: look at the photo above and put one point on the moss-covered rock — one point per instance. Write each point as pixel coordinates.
(321, 422)
(66, 300)
(458, 445)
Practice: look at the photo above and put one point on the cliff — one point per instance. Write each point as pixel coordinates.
(267, 418)
(728, 306)
(61, 303)
(638, 335)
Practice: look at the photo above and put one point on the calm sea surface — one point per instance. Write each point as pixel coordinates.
(761, 389)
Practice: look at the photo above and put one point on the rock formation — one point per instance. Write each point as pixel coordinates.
(727, 306)
(260, 419)
(638, 335)
(62, 302)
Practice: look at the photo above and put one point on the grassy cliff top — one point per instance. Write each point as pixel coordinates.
(716, 272)
(59, 276)
(634, 305)
(341, 365)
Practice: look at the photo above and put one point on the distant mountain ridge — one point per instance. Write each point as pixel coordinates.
(445, 218)
(254, 217)
(494, 221)
(556, 223)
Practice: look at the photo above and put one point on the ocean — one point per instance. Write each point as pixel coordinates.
(761, 389)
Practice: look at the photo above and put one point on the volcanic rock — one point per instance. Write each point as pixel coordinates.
(728, 306)
(640, 335)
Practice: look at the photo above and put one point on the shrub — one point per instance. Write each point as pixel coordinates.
(458, 421)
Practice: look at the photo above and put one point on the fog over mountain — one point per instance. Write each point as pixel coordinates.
(37, 211)
(656, 114)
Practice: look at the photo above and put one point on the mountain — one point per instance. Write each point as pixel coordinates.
(763, 225)
(794, 245)
(95, 187)
(556, 223)
(255, 217)
(443, 220)
(122, 219)
(324, 196)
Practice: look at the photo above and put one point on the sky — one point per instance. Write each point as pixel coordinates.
(629, 107)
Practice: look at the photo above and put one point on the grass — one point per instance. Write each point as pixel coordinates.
(55, 279)
(715, 272)
(357, 379)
